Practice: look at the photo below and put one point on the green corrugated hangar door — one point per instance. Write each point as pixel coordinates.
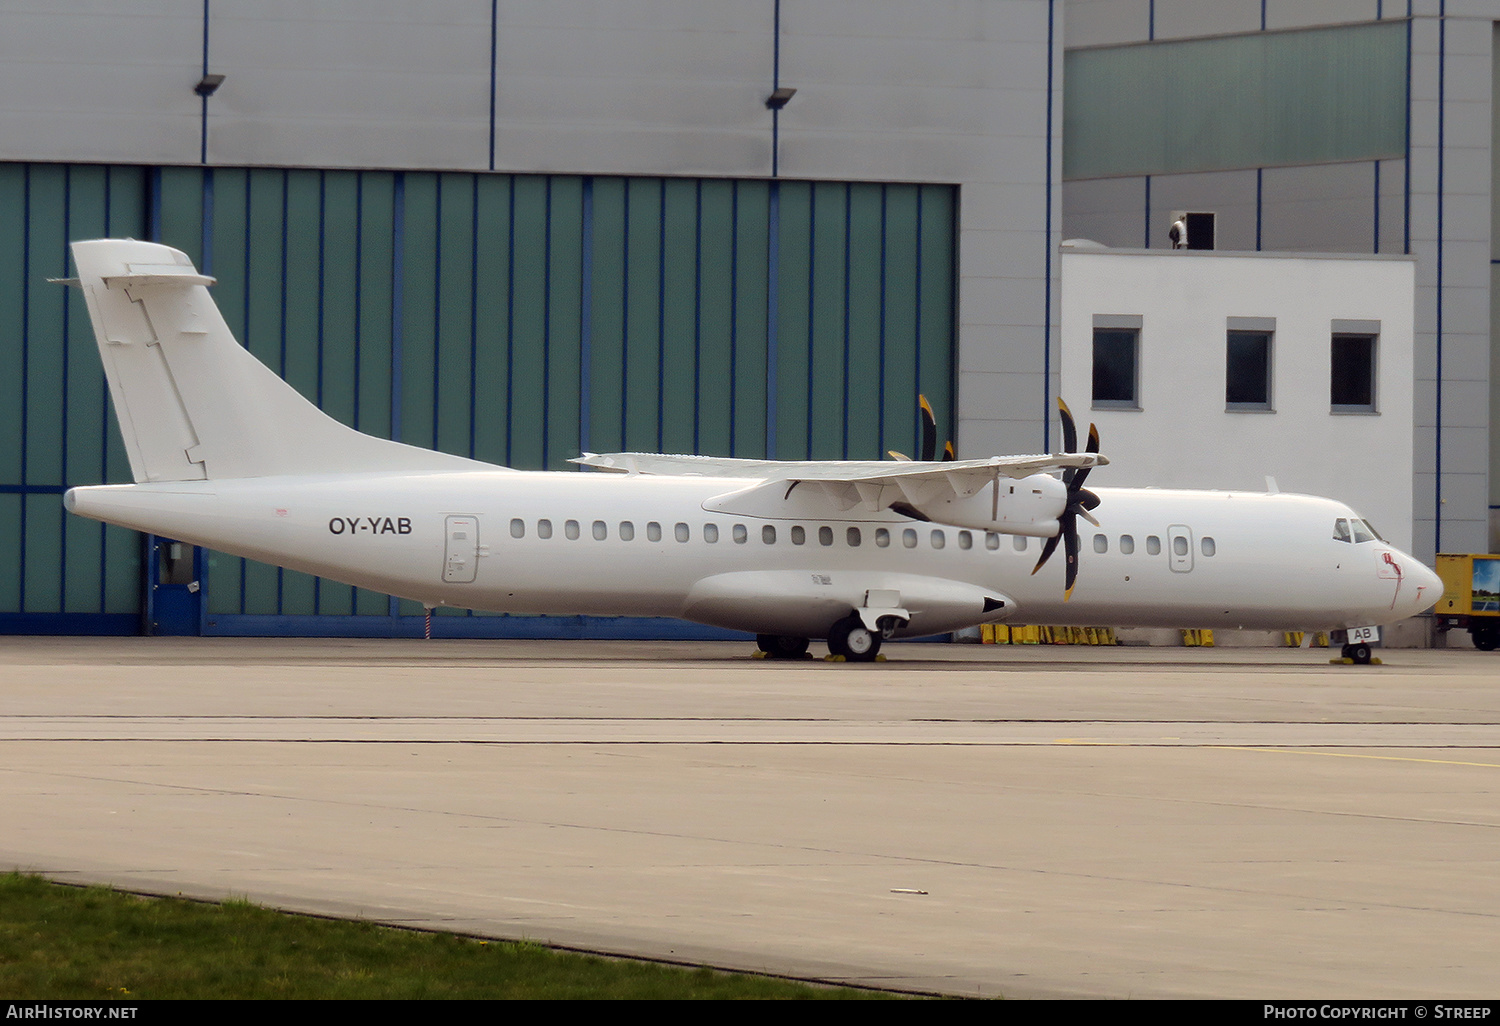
(517, 319)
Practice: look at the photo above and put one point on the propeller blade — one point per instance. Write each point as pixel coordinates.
(948, 454)
(929, 430)
(900, 456)
(1070, 432)
(1071, 545)
(1047, 551)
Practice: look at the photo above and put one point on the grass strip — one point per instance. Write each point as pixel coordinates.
(94, 943)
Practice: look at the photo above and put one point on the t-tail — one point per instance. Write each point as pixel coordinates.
(192, 404)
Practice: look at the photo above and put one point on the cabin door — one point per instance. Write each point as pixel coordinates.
(461, 560)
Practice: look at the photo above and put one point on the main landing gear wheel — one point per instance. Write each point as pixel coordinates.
(1359, 654)
(781, 646)
(854, 641)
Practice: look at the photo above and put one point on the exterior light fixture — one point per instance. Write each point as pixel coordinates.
(778, 99)
(208, 84)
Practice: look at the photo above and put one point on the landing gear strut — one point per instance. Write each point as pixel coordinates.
(781, 646)
(854, 641)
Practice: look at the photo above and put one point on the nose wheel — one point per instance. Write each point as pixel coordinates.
(854, 641)
(1359, 654)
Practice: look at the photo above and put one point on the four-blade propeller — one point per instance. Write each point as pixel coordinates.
(1080, 501)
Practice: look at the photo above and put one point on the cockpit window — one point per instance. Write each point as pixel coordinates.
(1354, 530)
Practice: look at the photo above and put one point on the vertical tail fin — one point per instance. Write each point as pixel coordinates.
(191, 402)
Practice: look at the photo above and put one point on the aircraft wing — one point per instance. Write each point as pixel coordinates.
(876, 484)
(850, 471)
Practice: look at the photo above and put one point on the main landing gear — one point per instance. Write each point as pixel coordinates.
(782, 646)
(854, 641)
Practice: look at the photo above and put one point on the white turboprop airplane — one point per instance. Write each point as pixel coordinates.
(227, 455)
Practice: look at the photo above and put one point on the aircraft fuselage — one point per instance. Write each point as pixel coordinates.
(602, 544)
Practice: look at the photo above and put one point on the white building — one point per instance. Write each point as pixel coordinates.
(1221, 369)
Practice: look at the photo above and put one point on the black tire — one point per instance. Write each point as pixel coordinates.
(1484, 638)
(781, 646)
(854, 641)
(1360, 654)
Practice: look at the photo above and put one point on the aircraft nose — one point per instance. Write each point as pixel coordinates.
(1427, 586)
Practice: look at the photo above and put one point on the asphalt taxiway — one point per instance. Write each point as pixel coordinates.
(981, 820)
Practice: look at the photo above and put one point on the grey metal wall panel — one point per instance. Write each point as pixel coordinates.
(330, 83)
(81, 80)
(640, 87)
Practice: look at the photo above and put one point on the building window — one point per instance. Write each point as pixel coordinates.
(1352, 374)
(1117, 342)
(1247, 370)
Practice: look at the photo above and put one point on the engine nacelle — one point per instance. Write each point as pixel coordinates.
(1027, 506)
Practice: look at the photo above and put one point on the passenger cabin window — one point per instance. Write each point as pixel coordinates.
(1101, 543)
(799, 535)
(711, 533)
(544, 529)
(965, 540)
(939, 539)
(601, 530)
(852, 537)
(741, 535)
(882, 538)
(991, 540)
(825, 536)
(1018, 542)
(1180, 545)
(1127, 544)
(570, 529)
(681, 532)
(627, 531)
(518, 528)
(909, 538)
(768, 534)
(1153, 545)
(653, 531)
(1207, 546)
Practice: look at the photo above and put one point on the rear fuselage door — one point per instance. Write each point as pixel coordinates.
(1180, 548)
(461, 561)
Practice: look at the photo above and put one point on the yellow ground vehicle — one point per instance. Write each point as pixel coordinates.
(1471, 597)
